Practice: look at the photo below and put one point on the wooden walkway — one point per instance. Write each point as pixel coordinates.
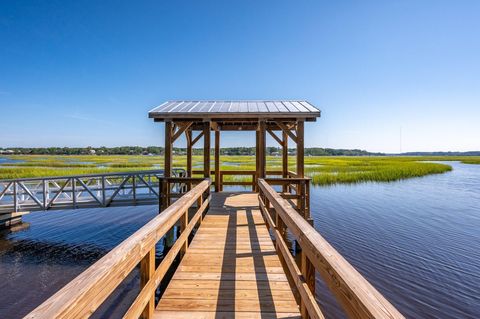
(231, 269)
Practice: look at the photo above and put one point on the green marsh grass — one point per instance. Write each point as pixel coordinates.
(324, 170)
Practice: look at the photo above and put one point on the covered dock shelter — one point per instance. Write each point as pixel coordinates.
(283, 120)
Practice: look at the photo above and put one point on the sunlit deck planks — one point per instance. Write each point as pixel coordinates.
(231, 268)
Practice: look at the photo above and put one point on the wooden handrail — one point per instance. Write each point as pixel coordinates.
(83, 295)
(357, 296)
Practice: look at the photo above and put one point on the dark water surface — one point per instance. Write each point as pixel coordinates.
(55, 246)
(417, 241)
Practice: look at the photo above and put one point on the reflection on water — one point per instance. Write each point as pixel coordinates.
(417, 241)
(58, 245)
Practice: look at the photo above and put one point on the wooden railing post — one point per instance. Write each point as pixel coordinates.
(183, 226)
(15, 197)
(163, 203)
(74, 195)
(134, 190)
(147, 269)
(104, 197)
(199, 204)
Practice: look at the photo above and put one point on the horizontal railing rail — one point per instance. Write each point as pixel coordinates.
(83, 295)
(252, 174)
(90, 190)
(357, 296)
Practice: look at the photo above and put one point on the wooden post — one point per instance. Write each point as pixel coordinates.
(300, 149)
(147, 269)
(284, 159)
(74, 196)
(257, 159)
(206, 149)
(183, 226)
(168, 149)
(262, 150)
(218, 178)
(15, 197)
(188, 135)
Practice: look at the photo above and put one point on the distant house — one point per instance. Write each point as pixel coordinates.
(7, 152)
(92, 152)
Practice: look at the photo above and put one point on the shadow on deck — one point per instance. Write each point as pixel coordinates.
(231, 269)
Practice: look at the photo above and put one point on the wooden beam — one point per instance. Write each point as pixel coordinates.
(218, 182)
(199, 136)
(188, 137)
(181, 127)
(262, 150)
(168, 149)
(206, 149)
(272, 134)
(287, 130)
(257, 161)
(300, 150)
(285, 159)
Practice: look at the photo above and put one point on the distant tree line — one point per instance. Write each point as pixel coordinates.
(156, 150)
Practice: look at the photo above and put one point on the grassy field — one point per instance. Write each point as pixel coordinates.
(323, 170)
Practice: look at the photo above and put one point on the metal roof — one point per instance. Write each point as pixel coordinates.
(234, 109)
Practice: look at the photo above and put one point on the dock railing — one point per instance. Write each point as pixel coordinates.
(81, 191)
(358, 298)
(83, 295)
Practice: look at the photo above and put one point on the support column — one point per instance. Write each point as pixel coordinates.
(284, 158)
(300, 149)
(257, 161)
(206, 149)
(168, 149)
(262, 159)
(218, 182)
(188, 135)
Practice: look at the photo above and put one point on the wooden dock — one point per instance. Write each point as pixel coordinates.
(231, 268)
(233, 247)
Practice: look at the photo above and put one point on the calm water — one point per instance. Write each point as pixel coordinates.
(417, 241)
(56, 246)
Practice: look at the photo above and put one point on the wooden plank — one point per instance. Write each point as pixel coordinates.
(231, 267)
(228, 294)
(224, 315)
(237, 305)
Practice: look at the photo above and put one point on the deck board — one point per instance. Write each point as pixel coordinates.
(231, 269)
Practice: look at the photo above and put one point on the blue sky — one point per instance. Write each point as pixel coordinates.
(387, 75)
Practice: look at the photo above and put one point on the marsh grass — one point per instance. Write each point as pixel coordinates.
(324, 170)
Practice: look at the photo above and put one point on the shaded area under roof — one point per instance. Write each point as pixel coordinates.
(234, 109)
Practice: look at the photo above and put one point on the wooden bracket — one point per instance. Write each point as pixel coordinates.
(287, 130)
(272, 134)
(199, 136)
(179, 128)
